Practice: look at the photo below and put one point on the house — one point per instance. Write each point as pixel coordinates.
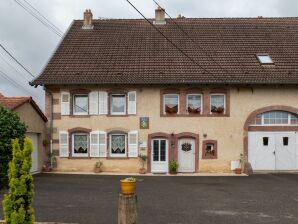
(35, 121)
(224, 89)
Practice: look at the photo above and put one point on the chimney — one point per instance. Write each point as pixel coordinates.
(87, 24)
(159, 16)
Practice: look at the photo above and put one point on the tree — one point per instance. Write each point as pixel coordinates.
(18, 203)
(11, 127)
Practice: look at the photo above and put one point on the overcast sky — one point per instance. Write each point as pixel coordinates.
(33, 44)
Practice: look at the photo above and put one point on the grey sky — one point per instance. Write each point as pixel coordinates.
(33, 44)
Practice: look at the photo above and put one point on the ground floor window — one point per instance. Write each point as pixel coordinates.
(80, 144)
(118, 145)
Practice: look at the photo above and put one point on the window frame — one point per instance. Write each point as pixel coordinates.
(73, 144)
(281, 124)
(74, 105)
(110, 146)
(217, 94)
(164, 103)
(194, 94)
(125, 104)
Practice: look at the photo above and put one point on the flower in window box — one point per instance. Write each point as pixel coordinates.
(194, 110)
(172, 110)
(217, 109)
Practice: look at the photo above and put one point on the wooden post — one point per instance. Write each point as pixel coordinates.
(127, 209)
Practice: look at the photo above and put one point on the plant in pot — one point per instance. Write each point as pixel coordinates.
(143, 159)
(98, 165)
(50, 162)
(128, 185)
(193, 110)
(218, 110)
(173, 166)
(241, 160)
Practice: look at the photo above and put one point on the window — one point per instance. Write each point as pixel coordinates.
(171, 103)
(276, 118)
(209, 149)
(194, 103)
(265, 141)
(80, 145)
(118, 145)
(80, 105)
(118, 104)
(217, 103)
(285, 141)
(264, 59)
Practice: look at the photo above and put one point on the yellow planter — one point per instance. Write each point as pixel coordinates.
(128, 187)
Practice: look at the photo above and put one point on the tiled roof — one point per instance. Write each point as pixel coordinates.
(13, 103)
(130, 51)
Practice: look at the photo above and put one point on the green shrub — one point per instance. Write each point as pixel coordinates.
(11, 127)
(18, 203)
(174, 165)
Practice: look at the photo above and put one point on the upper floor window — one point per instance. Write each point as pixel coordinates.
(80, 105)
(171, 103)
(80, 145)
(118, 145)
(217, 103)
(118, 104)
(194, 103)
(265, 59)
(276, 118)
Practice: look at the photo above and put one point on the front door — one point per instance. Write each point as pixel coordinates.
(159, 156)
(186, 155)
(285, 151)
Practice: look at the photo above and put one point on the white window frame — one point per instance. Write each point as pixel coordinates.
(164, 101)
(125, 105)
(218, 94)
(263, 124)
(194, 94)
(110, 146)
(74, 105)
(88, 144)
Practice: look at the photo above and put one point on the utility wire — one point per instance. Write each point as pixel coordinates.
(19, 63)
(171, 42)
(188, 36)
(38, 17)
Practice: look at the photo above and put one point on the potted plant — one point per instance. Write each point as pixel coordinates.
(194, 110)
(218, 110)
(172, 110)
(50, 162)
(173, 166)
(98, 165)
(128, 185)
(143, 159)
(238, 170)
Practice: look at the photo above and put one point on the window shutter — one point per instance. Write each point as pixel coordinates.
(102, 144)
(94, 144)
(103, 102)
(133, 144)
(63, 141)
(93, 103)
(65, 103)
(132, 102)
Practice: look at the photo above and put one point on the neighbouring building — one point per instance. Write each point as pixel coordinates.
(200, 91)
(35, 122)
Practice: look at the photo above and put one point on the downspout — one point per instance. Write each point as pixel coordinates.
(50, 135)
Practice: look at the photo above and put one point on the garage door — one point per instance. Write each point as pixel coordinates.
(273, 150)
(34, 139)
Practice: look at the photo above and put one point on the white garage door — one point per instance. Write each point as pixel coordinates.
(273, 150)
(34, 139)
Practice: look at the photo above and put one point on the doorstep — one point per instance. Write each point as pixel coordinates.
(157, 174)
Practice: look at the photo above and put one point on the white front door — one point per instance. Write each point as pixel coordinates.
(186, 155)
(34, 139)
(272, 150)
(159, 156)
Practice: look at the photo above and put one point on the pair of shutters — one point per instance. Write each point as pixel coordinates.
(98, 144)
(98, 103)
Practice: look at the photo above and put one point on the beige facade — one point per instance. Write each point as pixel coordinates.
(228, 131)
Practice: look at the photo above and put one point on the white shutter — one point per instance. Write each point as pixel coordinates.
(94, 144)
(102, 144)
(65, 103)
(133, 144)
(132, 102)
(93, 103)
(63, 142)
(103, 102)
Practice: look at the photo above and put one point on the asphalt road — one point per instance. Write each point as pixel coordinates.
(87, 199)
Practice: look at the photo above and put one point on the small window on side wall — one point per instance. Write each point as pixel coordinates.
(194, 103)
(171, 103)
(217, 103)
(209, 149)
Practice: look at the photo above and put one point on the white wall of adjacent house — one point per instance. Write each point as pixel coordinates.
(34, 139)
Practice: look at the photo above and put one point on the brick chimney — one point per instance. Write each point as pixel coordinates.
(159, 16)
(87, 24)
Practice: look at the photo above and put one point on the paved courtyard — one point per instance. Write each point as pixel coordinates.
(87, 199)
